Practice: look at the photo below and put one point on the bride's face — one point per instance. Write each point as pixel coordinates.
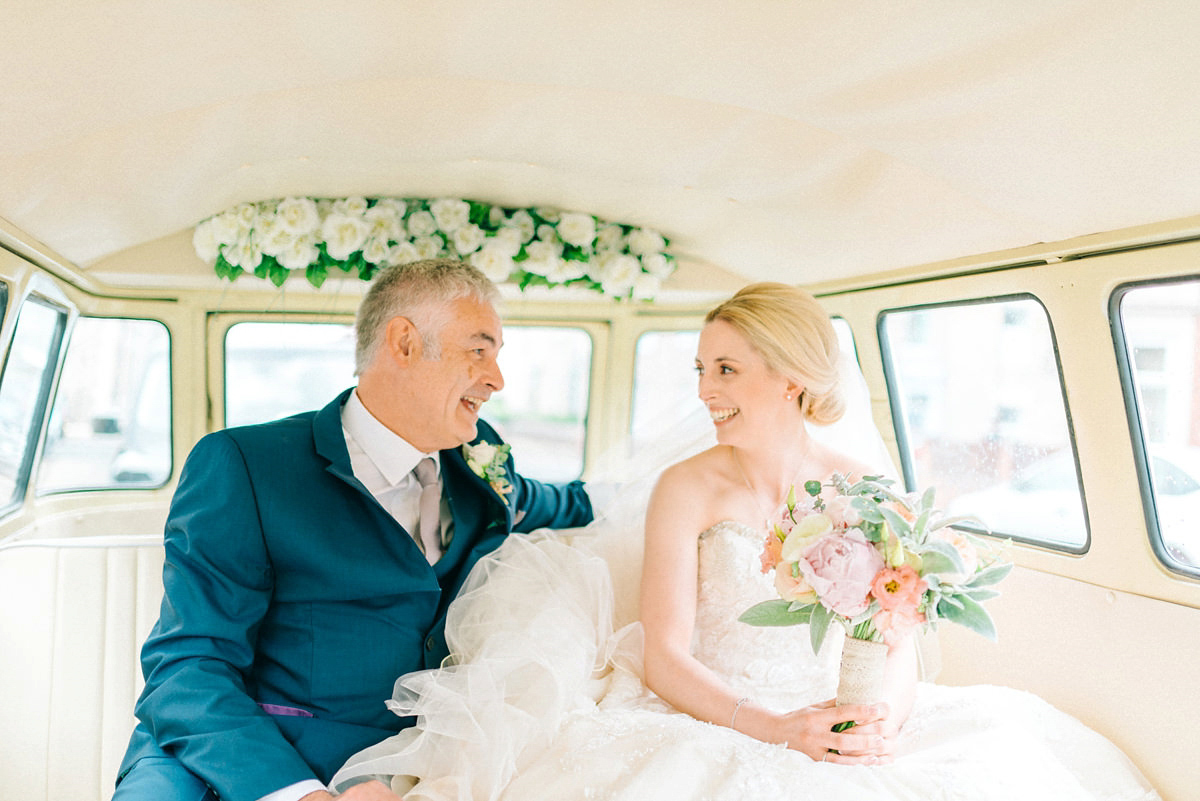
(745, 398)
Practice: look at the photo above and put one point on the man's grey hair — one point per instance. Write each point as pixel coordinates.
(421, 292)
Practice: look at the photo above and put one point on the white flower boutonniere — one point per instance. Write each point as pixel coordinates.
(487, 461)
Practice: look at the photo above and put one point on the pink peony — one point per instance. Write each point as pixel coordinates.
(841, 568)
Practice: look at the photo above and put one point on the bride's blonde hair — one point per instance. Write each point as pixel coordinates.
(793, 334)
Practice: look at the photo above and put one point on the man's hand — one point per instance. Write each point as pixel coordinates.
(366, 791)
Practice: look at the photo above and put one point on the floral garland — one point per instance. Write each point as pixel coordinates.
(527, 247)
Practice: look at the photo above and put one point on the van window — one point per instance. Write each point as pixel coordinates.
(977, 398)
(1158, 348)
(273, 370)
(664, 383)
(24, 390)
(543, 408)
(276, 369)
(110, 426)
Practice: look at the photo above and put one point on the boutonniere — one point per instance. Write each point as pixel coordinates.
(487, 461)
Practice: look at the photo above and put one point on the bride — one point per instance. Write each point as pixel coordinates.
(560, 688)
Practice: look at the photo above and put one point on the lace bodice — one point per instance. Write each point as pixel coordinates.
(752, 658)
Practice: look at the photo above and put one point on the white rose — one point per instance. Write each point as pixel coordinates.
(617, 273)
(577, 229)
(205, 242)
(480, 455)
(493, 263)
(301, 253)
(246, 253)
(508, 240)
(808, 530)
(610, 237)
(429, 247)
(403, 253)
(375, 250)
(496, 216)
(350, 206)
(274, 237)
(298, 215)
(394, 206)
(246, 214)
(343, 234)
(523, 222)
(450, 214)
(544, 258)
(421, 223)
(384, 223)
(563, 270)
(643, 241)
(658, 265)
(646, 286)
(467, 239)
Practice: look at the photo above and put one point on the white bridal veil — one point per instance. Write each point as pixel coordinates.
(547, 625)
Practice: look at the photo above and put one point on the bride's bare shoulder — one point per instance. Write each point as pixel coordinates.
(710, 464)
(832, 461)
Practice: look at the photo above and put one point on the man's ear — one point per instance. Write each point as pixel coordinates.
(402, 341)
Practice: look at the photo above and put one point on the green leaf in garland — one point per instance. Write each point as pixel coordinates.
(277, 273)
(316, 274)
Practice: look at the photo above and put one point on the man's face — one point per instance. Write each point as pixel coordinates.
(452, 388)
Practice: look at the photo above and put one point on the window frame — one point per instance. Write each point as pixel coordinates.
(1133, 415)
(170, 443)
(900, 421)
(40, 411)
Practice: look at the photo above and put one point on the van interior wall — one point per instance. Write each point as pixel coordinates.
(1123, 664)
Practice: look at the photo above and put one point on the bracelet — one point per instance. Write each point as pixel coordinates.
(736, 707)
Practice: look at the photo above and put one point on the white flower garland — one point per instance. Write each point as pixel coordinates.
(527, 247)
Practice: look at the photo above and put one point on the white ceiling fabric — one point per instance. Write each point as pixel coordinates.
(793, 139)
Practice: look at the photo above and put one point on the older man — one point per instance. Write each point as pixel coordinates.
(310, 560)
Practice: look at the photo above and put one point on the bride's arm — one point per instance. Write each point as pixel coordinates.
(668, 609)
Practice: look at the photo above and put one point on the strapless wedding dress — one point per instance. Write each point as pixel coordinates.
(546, 703)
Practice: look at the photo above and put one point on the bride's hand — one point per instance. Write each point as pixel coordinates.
(810, 730)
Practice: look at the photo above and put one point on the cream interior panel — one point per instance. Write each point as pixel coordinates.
(1123, 664)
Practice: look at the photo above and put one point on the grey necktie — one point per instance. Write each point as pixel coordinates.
(429, 522)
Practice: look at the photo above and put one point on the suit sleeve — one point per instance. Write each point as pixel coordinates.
(217, 582)
(549, 505)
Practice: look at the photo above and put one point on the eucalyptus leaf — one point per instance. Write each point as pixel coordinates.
(818, 625)
(775, 613)
(970, 614)
(898, 523)
(938, 556)
(991, 575)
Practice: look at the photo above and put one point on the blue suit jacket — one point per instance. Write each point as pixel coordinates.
(287, 584)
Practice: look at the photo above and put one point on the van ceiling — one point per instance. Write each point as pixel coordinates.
(800, 140)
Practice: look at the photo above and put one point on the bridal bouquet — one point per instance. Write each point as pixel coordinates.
(878, 563)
